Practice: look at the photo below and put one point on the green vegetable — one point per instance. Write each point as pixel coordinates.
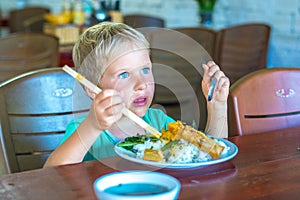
(129, 142)
(169, 145)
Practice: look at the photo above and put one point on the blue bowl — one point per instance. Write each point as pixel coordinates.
(141, 185)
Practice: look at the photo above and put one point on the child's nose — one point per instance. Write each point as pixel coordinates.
(141, 83)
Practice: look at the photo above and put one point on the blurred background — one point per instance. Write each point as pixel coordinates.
(283, 16)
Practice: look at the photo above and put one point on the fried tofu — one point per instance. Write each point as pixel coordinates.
(153, 155)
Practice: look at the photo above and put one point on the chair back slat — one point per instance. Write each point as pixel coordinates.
(140, 21)
(44, 123)
(26, 144)
(61, 95)
(204, 36)
(26, 162)
(30, 19)
(22, 52)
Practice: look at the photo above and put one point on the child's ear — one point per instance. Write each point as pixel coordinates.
(90, 93)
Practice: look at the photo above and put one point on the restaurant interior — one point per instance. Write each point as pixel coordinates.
(255, 43)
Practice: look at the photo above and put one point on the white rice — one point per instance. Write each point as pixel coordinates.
(182, 152)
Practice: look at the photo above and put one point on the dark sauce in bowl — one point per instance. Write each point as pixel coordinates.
(137, 189)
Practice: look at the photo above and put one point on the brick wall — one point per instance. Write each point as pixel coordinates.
(283, 16)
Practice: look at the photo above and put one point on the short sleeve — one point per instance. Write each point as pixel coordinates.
(157, 118)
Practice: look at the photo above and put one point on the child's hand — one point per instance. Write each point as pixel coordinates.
(221, 91)
(106, 109)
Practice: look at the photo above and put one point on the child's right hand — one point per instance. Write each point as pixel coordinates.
(106, 109)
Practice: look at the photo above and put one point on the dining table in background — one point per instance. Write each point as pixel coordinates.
(267, 166)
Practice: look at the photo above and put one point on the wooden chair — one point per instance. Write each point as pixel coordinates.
(35, 108)
(207, 38)
(265, 100)
(178, 73)
(22, 52)
(28, 19)
(140, 21)
(204, 36)
(242, 49)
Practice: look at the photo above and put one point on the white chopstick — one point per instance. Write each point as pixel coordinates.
(125, 111)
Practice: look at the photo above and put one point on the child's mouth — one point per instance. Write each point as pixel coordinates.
(140, 101)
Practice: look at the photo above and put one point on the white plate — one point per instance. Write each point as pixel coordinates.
(128, 155)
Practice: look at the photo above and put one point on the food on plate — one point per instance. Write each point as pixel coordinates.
(153, 155)
(179, 144)
(130, 142)
(177, 130)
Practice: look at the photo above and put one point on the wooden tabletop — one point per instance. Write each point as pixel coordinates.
(266, 167)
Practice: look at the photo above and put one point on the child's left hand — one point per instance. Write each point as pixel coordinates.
(221, 91)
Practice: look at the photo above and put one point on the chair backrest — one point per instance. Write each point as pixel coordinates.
(22, 52)
(264, 100)
(139, 21)
(242, 49)
(204, 36)
(27, 19)
(35, 108)
(176, 59)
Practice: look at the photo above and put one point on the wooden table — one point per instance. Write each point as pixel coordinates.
(266, 167)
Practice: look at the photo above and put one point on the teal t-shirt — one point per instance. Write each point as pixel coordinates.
(103, 147)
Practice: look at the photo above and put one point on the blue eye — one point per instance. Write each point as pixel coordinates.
(123, 75)
(146, 70)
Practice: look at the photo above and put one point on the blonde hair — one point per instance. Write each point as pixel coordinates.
(101, 43)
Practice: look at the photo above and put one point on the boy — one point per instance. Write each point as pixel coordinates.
(115, 57)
